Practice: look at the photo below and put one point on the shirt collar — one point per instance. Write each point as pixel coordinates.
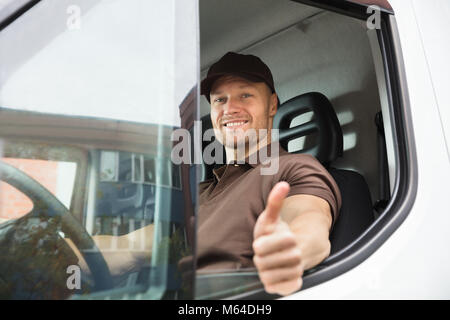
(262, 155)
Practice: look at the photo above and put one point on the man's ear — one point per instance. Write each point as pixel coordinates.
(273, 107)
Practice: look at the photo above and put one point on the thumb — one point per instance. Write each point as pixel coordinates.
(271, 215)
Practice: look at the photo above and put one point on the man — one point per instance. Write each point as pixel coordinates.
(278, 223)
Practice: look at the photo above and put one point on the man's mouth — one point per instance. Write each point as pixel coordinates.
(235, 124)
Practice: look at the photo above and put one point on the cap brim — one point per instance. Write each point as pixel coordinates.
(208, 82)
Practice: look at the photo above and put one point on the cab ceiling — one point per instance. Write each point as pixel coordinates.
(242, 24)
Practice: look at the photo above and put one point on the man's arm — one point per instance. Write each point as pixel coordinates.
(290, 236)
(309, 218)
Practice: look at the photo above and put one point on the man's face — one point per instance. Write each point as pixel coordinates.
(240, 107)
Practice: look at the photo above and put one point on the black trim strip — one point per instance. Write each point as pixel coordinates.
(15, 15)
(406, 171)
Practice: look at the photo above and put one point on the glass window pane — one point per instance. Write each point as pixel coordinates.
(90, 94)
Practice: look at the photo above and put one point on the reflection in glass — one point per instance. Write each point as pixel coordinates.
(106, 98)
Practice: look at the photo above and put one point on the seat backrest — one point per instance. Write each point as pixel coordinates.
(356, 213)
(324, 123)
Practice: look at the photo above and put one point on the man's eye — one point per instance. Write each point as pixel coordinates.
(246, 95)
(219, 100)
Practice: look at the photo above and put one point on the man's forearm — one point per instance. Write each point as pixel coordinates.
(312, 233)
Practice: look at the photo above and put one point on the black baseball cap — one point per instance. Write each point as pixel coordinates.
(247, 66)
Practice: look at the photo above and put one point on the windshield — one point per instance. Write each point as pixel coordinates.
(91, 203)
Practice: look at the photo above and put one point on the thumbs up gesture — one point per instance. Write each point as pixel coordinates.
(277, 255)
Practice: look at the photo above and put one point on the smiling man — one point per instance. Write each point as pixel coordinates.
(278, 223)
(239, 122)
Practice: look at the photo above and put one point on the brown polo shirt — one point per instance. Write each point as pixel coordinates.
(231, 202)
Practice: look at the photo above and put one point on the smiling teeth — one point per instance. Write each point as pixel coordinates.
(232, 124)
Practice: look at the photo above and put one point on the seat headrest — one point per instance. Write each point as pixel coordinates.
(329, 144)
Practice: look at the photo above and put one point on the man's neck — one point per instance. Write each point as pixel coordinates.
(239, 155)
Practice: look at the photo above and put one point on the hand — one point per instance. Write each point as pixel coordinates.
(277, 255)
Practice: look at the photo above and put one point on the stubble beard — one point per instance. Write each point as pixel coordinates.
(241, 144)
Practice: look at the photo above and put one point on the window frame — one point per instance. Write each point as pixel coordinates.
(405, 189)
(16, 13)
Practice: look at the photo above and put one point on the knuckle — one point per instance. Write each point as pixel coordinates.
(257, 261)
(263, 277)
(266, 281)
(256, 245)
(269, 289)
(289, 238)
(296, 256)
(292, 287)
(299, 270)
(272, 288)
(286, 291)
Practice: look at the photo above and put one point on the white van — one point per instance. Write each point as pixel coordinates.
(92, 91)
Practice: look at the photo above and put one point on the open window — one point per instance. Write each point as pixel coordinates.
(342, 54)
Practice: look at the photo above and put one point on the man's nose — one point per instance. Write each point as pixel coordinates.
(232, 106)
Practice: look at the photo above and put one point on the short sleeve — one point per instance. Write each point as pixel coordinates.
(306, 175)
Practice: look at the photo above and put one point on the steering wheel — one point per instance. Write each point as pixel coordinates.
(69, 225)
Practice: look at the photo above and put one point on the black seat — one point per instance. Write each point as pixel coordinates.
(356, 212)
